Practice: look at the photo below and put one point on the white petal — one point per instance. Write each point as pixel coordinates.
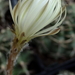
(46, 19)
(41, 33)
(33, 13)
(10, 6)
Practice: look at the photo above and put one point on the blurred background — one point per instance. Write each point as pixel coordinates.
(49, 55)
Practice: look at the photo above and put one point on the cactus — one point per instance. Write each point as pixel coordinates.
(50, 48)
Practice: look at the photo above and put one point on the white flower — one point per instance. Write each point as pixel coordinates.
(31, 18)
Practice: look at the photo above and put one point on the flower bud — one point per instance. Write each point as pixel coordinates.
(33, 18)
